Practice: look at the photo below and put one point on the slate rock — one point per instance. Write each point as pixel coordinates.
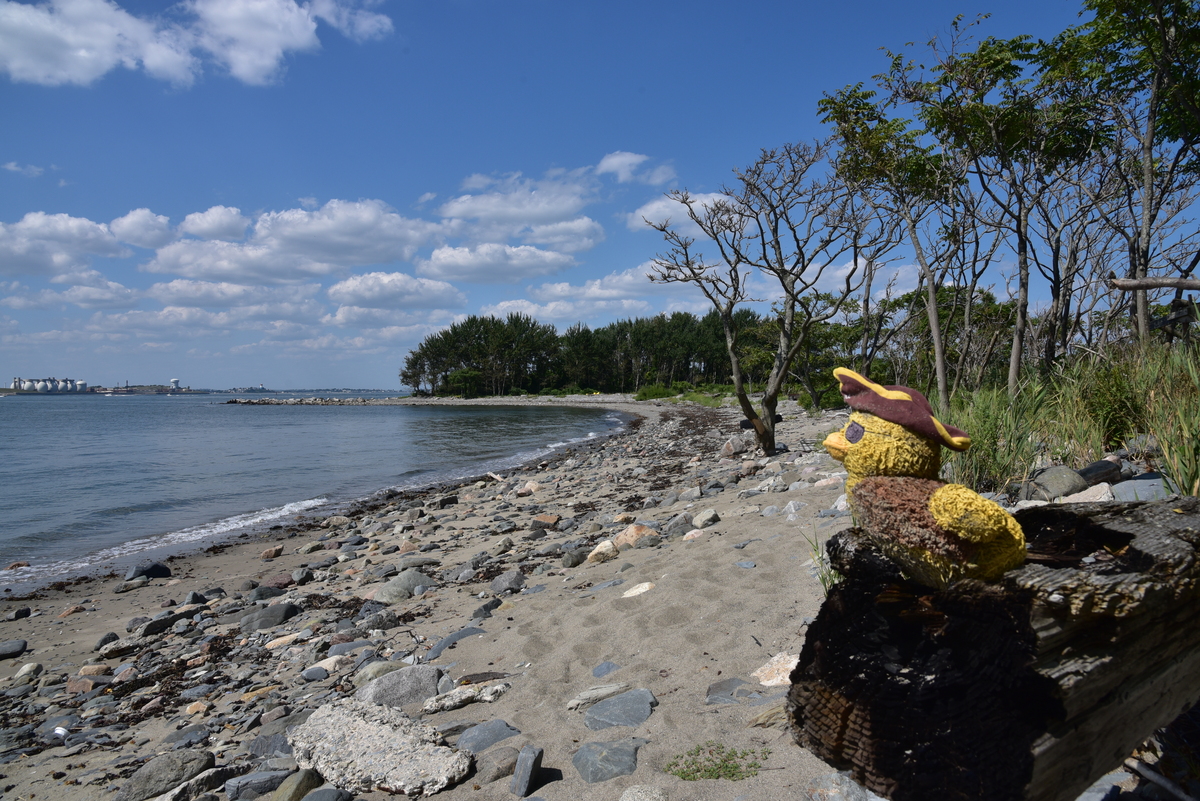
(347, 647)
(105, 640)
(315, 673)
(599, 762)
(297, 785)
(163, 773)
(361, 747)
(19, 613)
(451, 639)
(1146, 487)
(630, 708)
(401, 587)
(483, 736)
(525, 774)
(678, 525)
(256, 784)
(495, 764)
(265, 593)
(485, 611)
(188, 735)
(724, 691)
(328, 793)
(150, 570)
(510, 581)
(10, 649)
(1101, 472)
(604, 668)
(18, 737)
(269, 617)
(409, 685)
(576, 557)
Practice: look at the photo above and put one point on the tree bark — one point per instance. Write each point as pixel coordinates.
(1131, 284)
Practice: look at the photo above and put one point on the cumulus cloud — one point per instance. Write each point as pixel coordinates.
(78, 41)
(27, 169)
(297, 245)
(624, 165)
(143, 228)
(565, 311)
(581, 233)
(664, 208)
(517, 201)
(92, 295)
(359, 317)
(492, 263)
(215, 294)
(52, 244)
(218, 222)
(395, 291)
(631, 283)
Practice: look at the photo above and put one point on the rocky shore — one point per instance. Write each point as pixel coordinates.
(570, 629)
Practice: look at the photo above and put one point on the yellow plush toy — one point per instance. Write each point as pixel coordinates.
(936, 532)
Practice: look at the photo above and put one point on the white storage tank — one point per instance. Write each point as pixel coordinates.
(43, 386)
(29, 386)
(81, 386)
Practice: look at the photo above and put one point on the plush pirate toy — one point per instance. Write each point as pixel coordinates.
(936, 532)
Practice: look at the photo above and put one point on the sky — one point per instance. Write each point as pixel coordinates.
(236, 192)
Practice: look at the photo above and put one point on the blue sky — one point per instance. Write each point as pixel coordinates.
(235, 192)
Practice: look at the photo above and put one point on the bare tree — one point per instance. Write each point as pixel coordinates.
(786, 220)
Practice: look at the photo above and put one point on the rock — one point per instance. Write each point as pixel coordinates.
(369, 672)
(202, 786)
(644, 792)
(1051, 483)
(733, 446)
(265, 592)
(164, 773)
(638, 589)
(410, 685)
(329, 794)
(678, 525)
(274, 552)
(603, 669)
(630, 536)
(451, 639)
(525, 774)
(1102, 471)
(485, 610)
(10, 649)
(1098, 493)
(575, 558)
(461, 696)
(777, 672)
(836, 787)
(256, 784)
(105, 640)
(544, 521)
(510, 581)
(126, 586)
(1141, 445)
(594, 695)
(401, 587)
(362, 747)
(483, 736)
(119, 648)
(315, 673)
(706, 518)
(19, 613)
(269, 617)
(1146, 487)
(726, 691)
(149, 570)
(297, 786)
(603, 552)
(598, 762)
(627, 709)
(495, 763)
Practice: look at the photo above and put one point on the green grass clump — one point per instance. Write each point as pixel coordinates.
(702, 399)
(714, 761)
(654, 392)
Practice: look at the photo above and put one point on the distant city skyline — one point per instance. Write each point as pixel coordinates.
(235, 192)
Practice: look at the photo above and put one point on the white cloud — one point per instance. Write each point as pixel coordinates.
(78, 41)
(565, 311)
(492, 263)
(516, 201)
(395, 291)
(143, 228)
(359, 317)
(297, 245)
(29, 169)
(93, 295)
(309, 203)
(581, 233)
(50, 244)
(209, 294)
(631, 283)
(218, 222)
(624, 165)
(664, 208)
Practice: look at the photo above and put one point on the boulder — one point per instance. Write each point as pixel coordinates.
(163, 773)
(149, 570)
(410, 685)
(401, 587)
(1053, 482)
(706, 518)
(268, 617)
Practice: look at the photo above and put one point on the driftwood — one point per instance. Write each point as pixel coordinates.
(1031, 688)
(1132, 284)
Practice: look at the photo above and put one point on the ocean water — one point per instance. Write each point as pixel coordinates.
(89, 482)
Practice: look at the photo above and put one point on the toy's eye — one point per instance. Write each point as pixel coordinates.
(854, 433)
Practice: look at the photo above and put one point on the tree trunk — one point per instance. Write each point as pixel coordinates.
(1028, 689)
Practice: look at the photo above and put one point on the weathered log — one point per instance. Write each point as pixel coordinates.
(1030, 688)
(1131, 284)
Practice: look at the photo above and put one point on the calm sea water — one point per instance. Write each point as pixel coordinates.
(90, 481)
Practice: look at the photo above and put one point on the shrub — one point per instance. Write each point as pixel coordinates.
(653, 392)
(714, 761)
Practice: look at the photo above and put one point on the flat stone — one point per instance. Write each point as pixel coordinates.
(401, 587)
(362, 747)
(483, 736)
(409, 685)
(594, 695)
(269, 617)
(297, 786)
(1146, 487)
(163, 773)
(1097, 493)
(347, 647)
(604, 668)
(451, 639)
(627, 709)
(706, 518)
(315, 673)
(1053, 482)
(495, 764)
(525, 774)
(723, 692)
(149, 570)
(329, 793)
(598, 762)
(461, 696)
(510, 581)
(1101, 472)
(10, 649)
(256, 784)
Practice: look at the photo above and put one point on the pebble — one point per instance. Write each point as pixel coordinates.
(598, 762)
(483, 736)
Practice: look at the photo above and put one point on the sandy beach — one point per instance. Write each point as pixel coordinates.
(680, 618)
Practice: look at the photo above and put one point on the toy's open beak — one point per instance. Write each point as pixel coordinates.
(837, 445)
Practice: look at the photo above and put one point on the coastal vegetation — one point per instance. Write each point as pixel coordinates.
(1018, 178)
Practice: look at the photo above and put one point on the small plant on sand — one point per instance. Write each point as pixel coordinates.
(821, 568)
(714, 761)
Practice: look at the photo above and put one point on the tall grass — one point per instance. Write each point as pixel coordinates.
(1172, 414)
(1005, 437)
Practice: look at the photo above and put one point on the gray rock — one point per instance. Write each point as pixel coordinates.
(1053, 482)
(361, 747)
(1146, 487)
(401, 587)
(164, 773)
(265, 593)
(410, 685)
(22, 736)
(297, 785)
(1141, 445)
(691, 494)
(770, 511)
(203, 786)
(302, 576)
(10, 649)
(126, 586)
(627, 709)
(188, 735)
(724, 691)
(576, 557)
(482, 737)
(706, 518)
(485, 611)
(604, 668)
(746, 564)
(194, 597)
(510, 581)
(252, 785)
(525, 774)
(347, 647)
(644, 792)
(598, 762)
(1101, 472)
(1105, 788)
(495, 764)
(150, 570)
(269, 617)
(315, 673)
(451, 639)
(328, 793)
